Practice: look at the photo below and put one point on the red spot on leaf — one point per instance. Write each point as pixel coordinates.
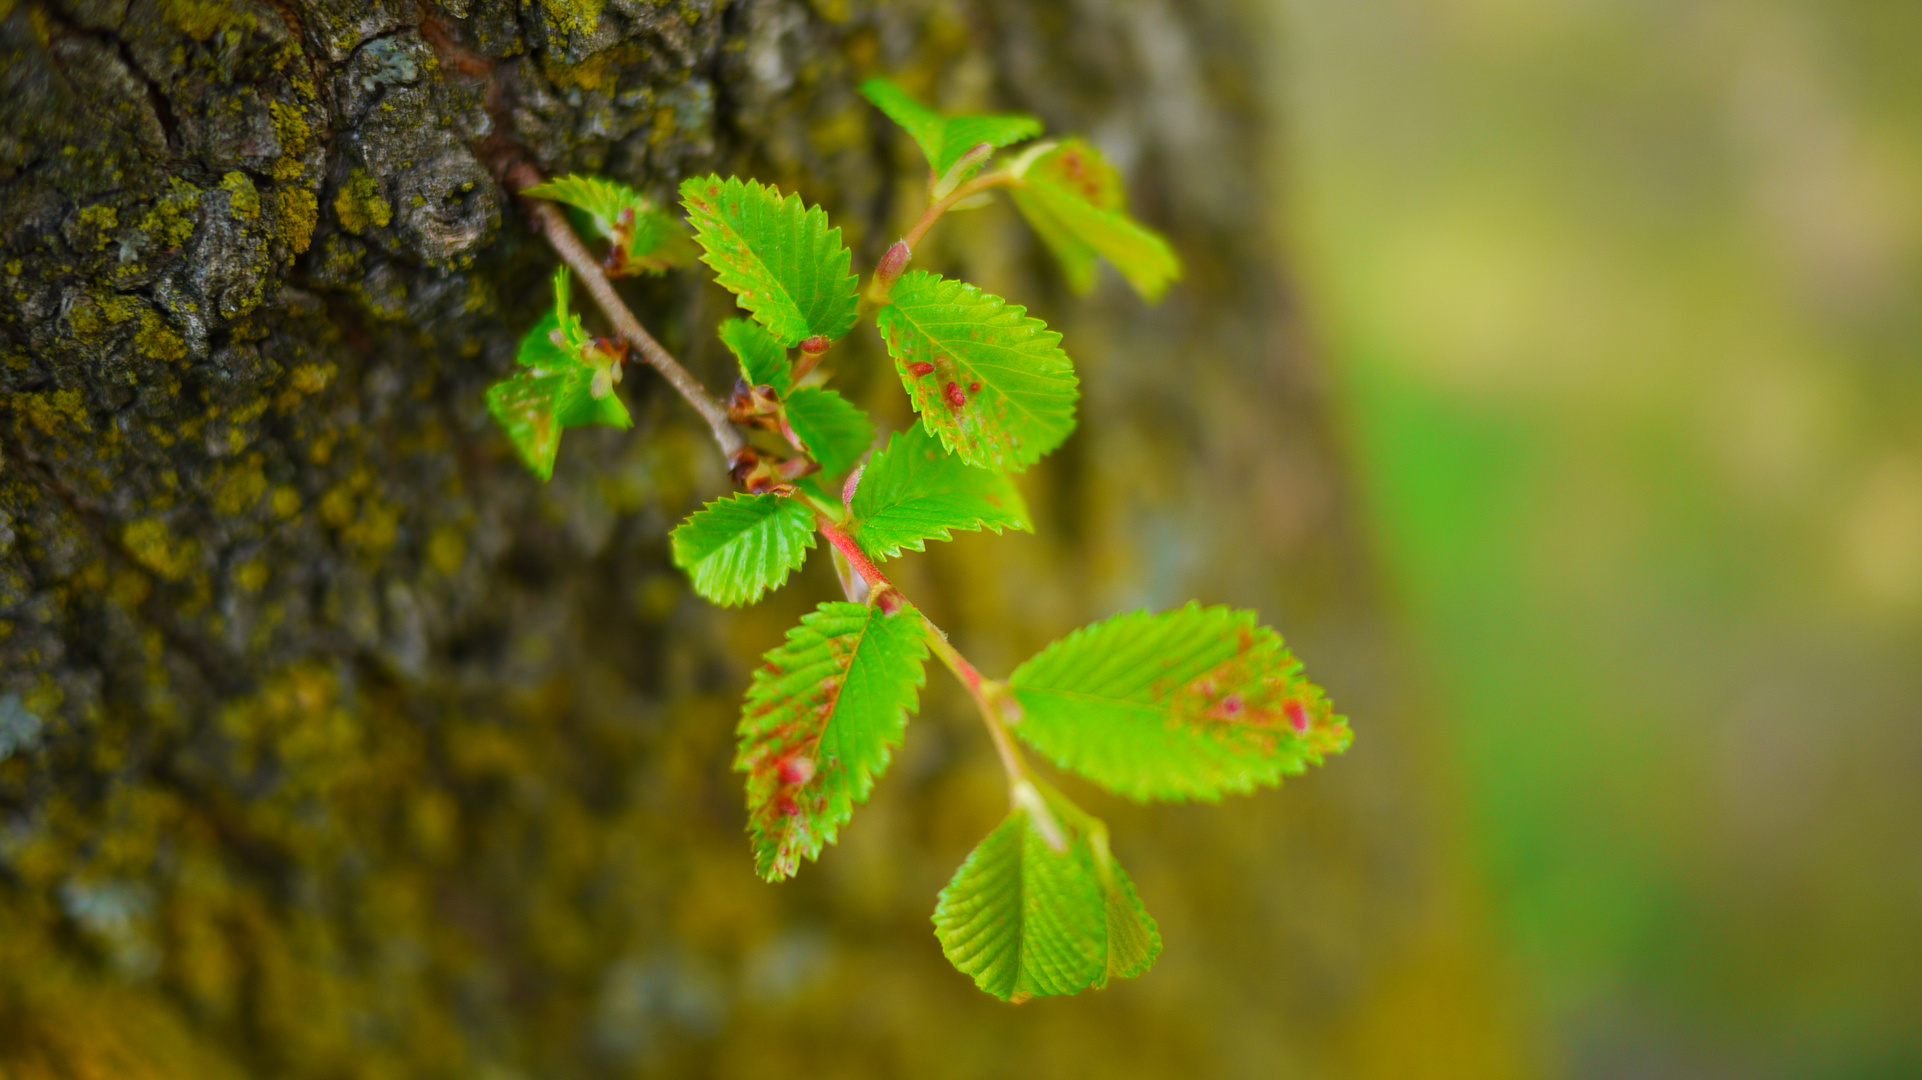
(1297, 715)
(921, 367)
(954, 395)
(974, 388)
(1231, 705)
(787, 807)
(797, 770)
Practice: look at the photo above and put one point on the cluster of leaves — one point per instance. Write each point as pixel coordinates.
(1188, 704)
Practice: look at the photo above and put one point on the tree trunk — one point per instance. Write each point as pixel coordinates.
(334, 744)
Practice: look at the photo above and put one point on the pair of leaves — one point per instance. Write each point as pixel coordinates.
(1189, 704)
(819, 723)
(642, 237)
(737, 548)
(1040, 907)
(779, 258)
(945, 140)
(991, 382)
(565, 381)
(1069, 193)
(1073, 198)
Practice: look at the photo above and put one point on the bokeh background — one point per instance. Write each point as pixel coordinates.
(1624, 304)
(1549, 372)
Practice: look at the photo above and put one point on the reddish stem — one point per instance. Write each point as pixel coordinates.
(879, 586)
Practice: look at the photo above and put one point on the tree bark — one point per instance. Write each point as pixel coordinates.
(334, 744)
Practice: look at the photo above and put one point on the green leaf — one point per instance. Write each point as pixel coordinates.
(914, 491)
(992, 383)
(555, 386)
(779, 258)
(818, 724)
(946, 139)
(1040, 907)
(1189, 704)
(763, 360)
(736, 548)
(1074, 200)
(644, 236)
(835, 431)
(524, 408)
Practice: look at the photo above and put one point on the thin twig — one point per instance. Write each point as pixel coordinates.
(553, 224)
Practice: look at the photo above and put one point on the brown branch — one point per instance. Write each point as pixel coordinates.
(553, 225)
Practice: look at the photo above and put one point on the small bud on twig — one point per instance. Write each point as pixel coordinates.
(889, 270)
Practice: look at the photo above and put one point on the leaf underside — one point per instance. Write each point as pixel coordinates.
(1073, 197)
(990, 382)
(552, 390)
(816, 730)
(947, 139)
(835, 431)
(1025, 920)
(915, 491)
(1189, 704)
(762, 360)
(736, 548)
(779, 258)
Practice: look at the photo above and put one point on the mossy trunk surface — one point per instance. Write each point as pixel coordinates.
(333, 744)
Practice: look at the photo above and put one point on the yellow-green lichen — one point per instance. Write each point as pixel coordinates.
(299, 210)
(601, 72)
(157, 340)
(202, 19)
(447, 550)
(100, 221)
(49, 412)
(171, 222)
(251, 576)
(359, 206)
(150, 544)
(290, 126)
(243, 199)
(573, 16)
(240, 488)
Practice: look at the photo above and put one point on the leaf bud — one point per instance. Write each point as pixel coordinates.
(891, 266)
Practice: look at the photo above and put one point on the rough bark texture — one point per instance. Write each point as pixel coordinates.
(333, 744)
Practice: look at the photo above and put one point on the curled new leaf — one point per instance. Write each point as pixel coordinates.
(818, 724)
(947, 139)
(736, 548)
(915, 491)
(1074, 200)
(1189, 704)
(1040, 907)
(991, 382)
(779, 258)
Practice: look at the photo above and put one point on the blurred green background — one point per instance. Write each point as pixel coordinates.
(1624, 306)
